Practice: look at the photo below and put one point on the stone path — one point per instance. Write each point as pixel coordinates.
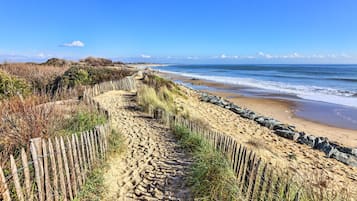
(153, 166)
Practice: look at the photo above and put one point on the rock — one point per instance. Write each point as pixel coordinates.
(288, 134)
(342, 149)
(345, 158)
(305, 139)
(354, 152)
(237, 110)
(260, 120)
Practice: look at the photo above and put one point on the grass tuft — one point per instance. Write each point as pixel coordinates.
(94, 187)
(211, 177)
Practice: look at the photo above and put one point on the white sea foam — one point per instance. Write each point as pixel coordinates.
(315, 93)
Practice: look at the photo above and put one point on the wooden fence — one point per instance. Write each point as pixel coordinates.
(256, 179)
(59, 166)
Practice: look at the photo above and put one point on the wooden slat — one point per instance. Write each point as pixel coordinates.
(80, 160)
(244, 169)
(269, 185)
(254, 179)
(89, 150)
(25, 165)
(76, 161)
(91, 138)
(37, 171)
(247, 177)
(261, 182)
(96, 143)
(84, 157)
(54, 170)
(71, 167)
(276, 191)
(15, 177)
(61, 170)
(48, 188)
(66, 168)
(3, 186)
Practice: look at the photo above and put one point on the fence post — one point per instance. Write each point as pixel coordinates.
(261, 182)
(71, 167)
(5, 190)
(48, 189)
(25, 165)
(15, 176)
(81, 164)
(84, 156)
(66, 168)
(254, 178)
(54, 170)
(38, 174)
(60, 170)
(76, 161)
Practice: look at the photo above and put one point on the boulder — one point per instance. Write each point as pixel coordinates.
(288, 134)
(354, 152)
(345, 158)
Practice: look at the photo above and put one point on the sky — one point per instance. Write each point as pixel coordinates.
(180, 31)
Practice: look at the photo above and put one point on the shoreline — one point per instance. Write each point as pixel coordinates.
(282, 109)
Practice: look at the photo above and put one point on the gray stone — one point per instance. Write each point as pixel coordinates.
(288, 134)
(345, 158)
(354, 152)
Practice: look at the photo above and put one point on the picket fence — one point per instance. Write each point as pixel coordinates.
(256, 179)
(60, 165)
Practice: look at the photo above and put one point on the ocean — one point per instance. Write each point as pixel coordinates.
(330, 86)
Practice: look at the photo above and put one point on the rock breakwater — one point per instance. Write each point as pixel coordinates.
(343, 154)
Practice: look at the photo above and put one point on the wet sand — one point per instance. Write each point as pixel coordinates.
(284, 109)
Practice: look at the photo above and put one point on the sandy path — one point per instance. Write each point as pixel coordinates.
(153, 166)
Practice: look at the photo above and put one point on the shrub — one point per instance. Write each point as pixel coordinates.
(39, 76)
(93, 61)
(78, 75)
(83, 121)
(12, 86)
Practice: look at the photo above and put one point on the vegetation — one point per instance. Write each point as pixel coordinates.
(11, 86)
(94, 187)
(158, 82)
(79, 75)
(211, 176)
(83, 121)
(40, 77)
(150, 99)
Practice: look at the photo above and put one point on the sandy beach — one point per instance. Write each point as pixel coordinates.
(280, 109)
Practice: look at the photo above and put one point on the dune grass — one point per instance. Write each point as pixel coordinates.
(150, 99)
(211, 177)
(94, 187)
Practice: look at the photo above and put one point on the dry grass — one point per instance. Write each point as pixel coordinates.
(34, 116)
(39, 76)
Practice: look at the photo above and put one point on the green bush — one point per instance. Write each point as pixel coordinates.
(79, 75)
(83, 121)
(12, 86)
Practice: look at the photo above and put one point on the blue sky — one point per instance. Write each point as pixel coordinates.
(181, 31)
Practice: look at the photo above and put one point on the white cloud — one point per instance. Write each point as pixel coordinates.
(144, 56)
(41, 55)
(75, 43)
(223, 56)
(265, 55)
